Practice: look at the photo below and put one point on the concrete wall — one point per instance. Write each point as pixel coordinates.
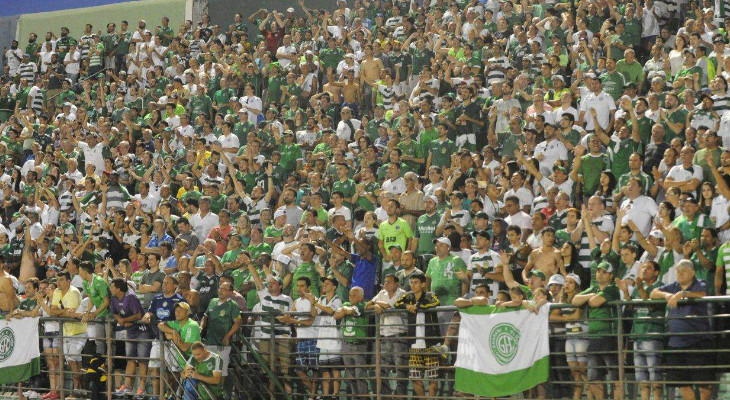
(222, 11)
(8, 25)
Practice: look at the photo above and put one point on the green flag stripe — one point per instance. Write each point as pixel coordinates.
(21, 372)
(506, 384)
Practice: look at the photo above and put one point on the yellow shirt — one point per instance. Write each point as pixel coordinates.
(71, 300)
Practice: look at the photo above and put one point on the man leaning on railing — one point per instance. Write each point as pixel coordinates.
(689, 355)
(206, 367)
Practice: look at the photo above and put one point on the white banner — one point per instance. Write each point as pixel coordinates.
(19, 349)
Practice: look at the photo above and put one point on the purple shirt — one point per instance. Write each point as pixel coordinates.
(126, 307)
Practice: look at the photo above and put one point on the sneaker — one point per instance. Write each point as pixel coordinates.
(123, 390)
(140, 392)
(54, 396)
(46, 396)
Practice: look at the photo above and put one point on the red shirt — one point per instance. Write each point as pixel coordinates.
(221, 245)
(272, 40)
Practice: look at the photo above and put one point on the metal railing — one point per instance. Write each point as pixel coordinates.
(383, 366)
(389, 376)
(74, 362)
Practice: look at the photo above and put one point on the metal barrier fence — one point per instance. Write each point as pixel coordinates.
(68, 363)
(382, 365)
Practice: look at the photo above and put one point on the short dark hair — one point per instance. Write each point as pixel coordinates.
(420, 276)
(86, 266)
(306, 280)
(121, 284)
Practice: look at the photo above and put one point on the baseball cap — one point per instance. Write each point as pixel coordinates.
(590, 75)
(279, 213)
(560, 168)
(482, 215)
(484, 234)
(606, 266)
(559, 77)
(537, 273)
(656, 233)
(556, 279)
(442, 240)
(574, 277)
(691, 199)
(184, 305)
(276, 278)
(432, 198)
(395, 246)
(290, 9)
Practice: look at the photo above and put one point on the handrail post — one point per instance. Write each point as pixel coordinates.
(621, 355)
(163, 367)
(378, 377)
(109, 361)
(272, 349)
(61, 364)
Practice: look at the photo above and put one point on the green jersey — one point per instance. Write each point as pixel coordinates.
(221, 316)
(189, 331)
(590, 168)
(354, 327)
(601, 320)
(213, 363)
(441, 152)
(398, 233)
(648, 318)
(306, 270)
(445, 283)
(425, 232)
(97, 290)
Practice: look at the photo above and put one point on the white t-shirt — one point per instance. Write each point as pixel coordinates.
(642, 211)
(203, 225)
(303, 305)
(72, 68)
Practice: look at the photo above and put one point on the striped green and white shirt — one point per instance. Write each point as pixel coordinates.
(269, 303)
(488, 261)
(605, 224)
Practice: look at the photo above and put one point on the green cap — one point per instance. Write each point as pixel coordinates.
(538, 274)
(606, 266)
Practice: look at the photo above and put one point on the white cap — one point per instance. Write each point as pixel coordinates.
(432, 198)
(572, 276)
(556, 279)
(279, 213)
(657, 234)
(290, 9)
(443, 240)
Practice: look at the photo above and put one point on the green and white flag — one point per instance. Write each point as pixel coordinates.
(501, 352)
(20, 357)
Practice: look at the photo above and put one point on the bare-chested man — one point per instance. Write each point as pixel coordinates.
(370, 69)
(546, 258)
(8, 300)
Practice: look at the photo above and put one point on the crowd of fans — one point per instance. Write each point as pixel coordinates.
(384, 154)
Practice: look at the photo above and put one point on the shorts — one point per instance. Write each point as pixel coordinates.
(282, 353)
(307, 354)
(137, 345)
(51, 340)
(423, 363)
(225, 353)
(171, 361)
(647, 359)
(690, 361)
(73, 346)
(575, 350)
(602, 359)
(329, 359)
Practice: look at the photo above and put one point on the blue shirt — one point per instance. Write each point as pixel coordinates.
(677, 321)
(163, 308)
(156, 241)
(364, 275)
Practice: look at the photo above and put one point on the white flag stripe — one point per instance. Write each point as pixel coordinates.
(481, 350)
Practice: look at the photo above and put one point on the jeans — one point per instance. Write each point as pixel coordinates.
(647, 360)
(355, 359)
(191, 389)
(393, 356)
